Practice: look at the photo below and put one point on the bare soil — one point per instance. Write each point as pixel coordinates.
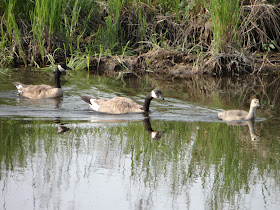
(175, 64)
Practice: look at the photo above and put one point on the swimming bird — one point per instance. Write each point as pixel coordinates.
(232, 115)
(43, 91)
(121, 105)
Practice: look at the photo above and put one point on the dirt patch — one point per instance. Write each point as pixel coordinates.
(157, 62)
(175, 64)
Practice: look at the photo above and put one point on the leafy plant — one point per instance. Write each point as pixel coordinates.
(271, 45)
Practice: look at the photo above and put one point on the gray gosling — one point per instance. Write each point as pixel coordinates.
(43, 91)
(121, 105)
(235, 115)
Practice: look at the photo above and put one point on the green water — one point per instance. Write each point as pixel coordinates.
(58, 154)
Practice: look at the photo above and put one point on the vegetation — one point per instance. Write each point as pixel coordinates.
(47, 31)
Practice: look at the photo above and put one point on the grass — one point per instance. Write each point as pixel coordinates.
(225, 17)
(31, 31)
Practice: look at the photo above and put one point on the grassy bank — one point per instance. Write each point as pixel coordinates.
(48, 31)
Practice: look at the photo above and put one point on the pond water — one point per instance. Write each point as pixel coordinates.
(58, 154)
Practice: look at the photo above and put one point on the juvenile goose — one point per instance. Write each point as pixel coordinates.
(240, 114)
(43, 91)
(121, 105)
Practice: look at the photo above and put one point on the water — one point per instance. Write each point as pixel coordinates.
(58, 154)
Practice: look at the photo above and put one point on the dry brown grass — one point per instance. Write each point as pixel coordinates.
(260, 24)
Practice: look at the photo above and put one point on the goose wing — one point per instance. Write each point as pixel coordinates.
(232, 115)
(118, 105)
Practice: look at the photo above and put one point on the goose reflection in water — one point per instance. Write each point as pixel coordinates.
(156, 135)
(252, 128)
(61, 128)
(54, 102)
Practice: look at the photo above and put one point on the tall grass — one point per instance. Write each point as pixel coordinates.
(33, 30)
(70, 26)
(13, 31)
(225, 17)
(45, 21)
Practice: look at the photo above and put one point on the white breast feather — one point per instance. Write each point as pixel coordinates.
(94, 105)
(19, 86)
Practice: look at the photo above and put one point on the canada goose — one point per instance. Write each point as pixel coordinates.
(121, 105)
(240, 114)
(43, 91)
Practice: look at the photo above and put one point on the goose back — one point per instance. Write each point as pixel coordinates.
(232, 115)
(117, 105)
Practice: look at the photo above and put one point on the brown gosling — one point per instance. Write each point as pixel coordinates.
(43, 91)
(121, 105)
(235, 115)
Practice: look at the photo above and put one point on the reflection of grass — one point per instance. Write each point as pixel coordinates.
(222, 156)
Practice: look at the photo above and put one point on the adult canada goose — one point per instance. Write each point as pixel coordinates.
(43, 91)
(232, 115)
(121, 105)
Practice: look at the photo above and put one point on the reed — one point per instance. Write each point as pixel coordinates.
(225, 17)
(13, 31)
(31, 30)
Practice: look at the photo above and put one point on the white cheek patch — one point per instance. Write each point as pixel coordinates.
(94, 105)
(154, 94)
(60, 68)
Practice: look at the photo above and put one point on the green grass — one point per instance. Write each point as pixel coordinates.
(31, 31)
(68, 26)
(225, 18)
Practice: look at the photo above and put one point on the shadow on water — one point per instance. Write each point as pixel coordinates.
(60, 154)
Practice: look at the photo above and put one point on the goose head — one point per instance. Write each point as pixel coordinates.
(255, 103)
(62, 67)
(157, 94)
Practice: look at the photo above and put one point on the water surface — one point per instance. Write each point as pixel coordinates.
(58, 154)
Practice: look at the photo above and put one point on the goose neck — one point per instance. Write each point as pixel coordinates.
(57, 79)
(147, 102)
(251, 114)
